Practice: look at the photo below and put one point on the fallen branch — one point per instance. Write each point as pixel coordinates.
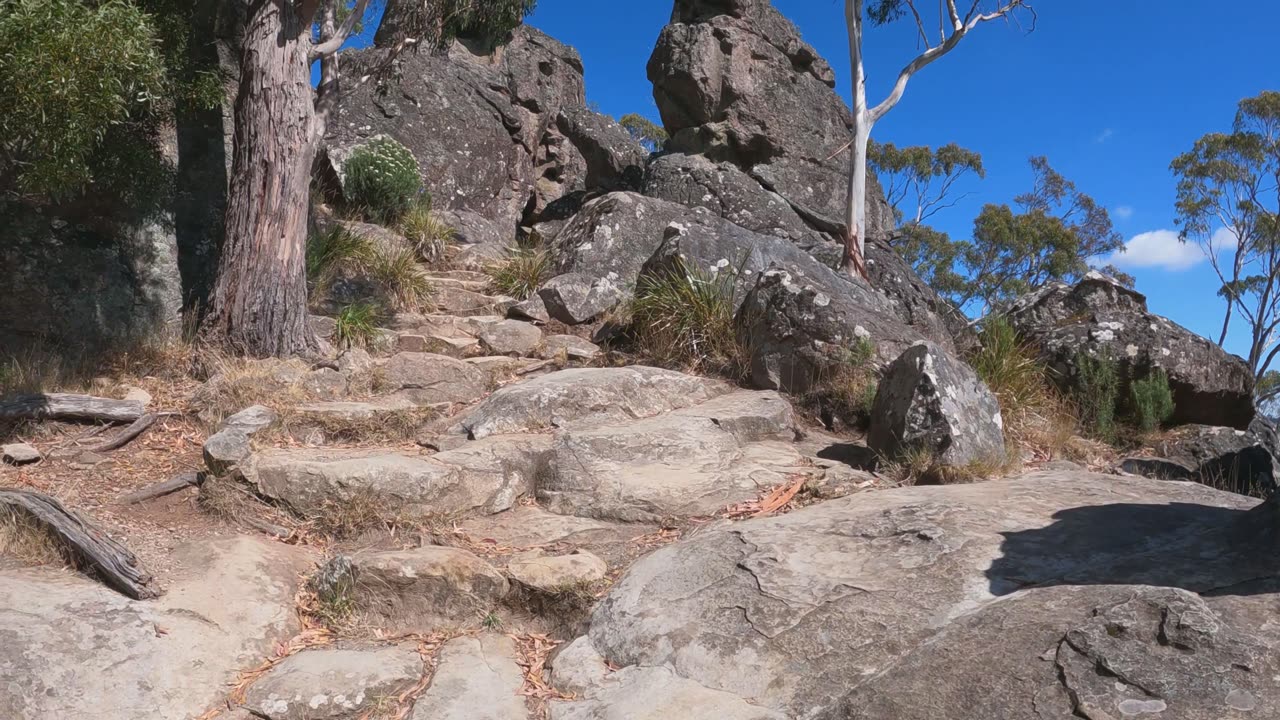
(126, 436)
(168, 487)
(90, 548)
(59, 406)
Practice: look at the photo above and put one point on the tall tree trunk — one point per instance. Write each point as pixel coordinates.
(260, 298)
(856, 209)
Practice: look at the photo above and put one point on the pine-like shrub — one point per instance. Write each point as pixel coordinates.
(382, 180)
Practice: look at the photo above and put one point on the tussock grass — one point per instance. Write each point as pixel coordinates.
(919, 466)
(402, 281)
(357, 325)
(520, 275)
(363, 512)
(429, 236)
(236, 383)
(684, 318)
(845, 390)
(387, 426)
(333, 250)
(23, 539)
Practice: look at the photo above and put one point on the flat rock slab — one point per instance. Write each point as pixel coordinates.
(434, 378)
(427, 588)
(995, 599)
(334, 684)
(74, 650)
(528, 527)
(477, 679)
(569, 346)
(251, 420)
(510, 337)
(554, 573)
(582, 395)
(685, 463)
(658, 693)
(20, 454)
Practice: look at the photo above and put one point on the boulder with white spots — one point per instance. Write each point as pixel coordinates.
(930, 401)
(1100, 317)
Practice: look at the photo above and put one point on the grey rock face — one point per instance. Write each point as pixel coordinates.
(658, 692)
(434, 378)
(915, 302)
(570, 346)
(798, 329)
(510, 337)
(1225, 458)
(1101, 317)
(932, 401)
(576, 298)
(83, 652)
(553, 573)
(584, 395)
(225, 450)
(887, 604)
(424, 589)
(478, 679)
(611, 158)
(334, 684)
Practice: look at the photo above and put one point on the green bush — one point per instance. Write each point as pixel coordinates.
(357, 325)
(333, 250)
(521, 273)
(1097, 392)
(1151, 400)
(382, 180)
(684, 317)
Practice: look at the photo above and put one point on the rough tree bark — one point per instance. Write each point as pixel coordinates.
(259, 304)
(953, 28)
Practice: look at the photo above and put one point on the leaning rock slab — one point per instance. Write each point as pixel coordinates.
(1225, 458)
(225, 450)
(74, 650)
(575, 298)
(584, 394)
(478, 679)
(334, 684)
(1098, 316)
(931, 401)
(425, 589)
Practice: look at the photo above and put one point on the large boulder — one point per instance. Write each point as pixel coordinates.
(1224, 458)
(1100, 317)
(928, 400)
(72, 649)
(1058, 594)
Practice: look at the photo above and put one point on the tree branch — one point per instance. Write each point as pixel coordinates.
(331, 46)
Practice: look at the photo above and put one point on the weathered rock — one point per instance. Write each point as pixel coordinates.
(478, 679)
(965, 601)
(917, 304)
(510, 337)
(654, 693)
(799, 332)
(689, 462)
(225, 450)
(136, 394)
(1224, 458)
(575, 298)
(611, 159)
(570, 346)
(530, 526)
(494, 472)
(20, 454)
(928, 400)
(334, 684)
(533, 310)
(576, 667)
(251, 420)
(75, 650)
(425, 589)
(613, 236)
(1098, 316)
(540, 571)
(434, 378)
(584, 394)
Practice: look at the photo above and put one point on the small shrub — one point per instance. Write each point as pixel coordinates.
(382, 179)
(845, 392)
(332, 250)
(401, 279)
(1096, 393)
(429, 236)
(357, 325)
(685, 317)
(1151, 400)
(520, 275)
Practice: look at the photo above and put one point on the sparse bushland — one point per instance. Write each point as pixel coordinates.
(429, 236)
(383, 180)
(1031, 408)
(521, 273)
(357, 325)
(684, 318)
(1096, 391)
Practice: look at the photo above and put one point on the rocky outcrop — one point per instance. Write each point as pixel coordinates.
(498, 133)
(1100, 317)
(928, 400)
(1224, 458)
(998, 599)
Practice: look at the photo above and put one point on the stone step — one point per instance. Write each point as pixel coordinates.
(478, 678)
(334, 683)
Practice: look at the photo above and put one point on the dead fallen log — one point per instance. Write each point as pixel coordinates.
(61, 406)
(127, 435)
(160, 489)
(90, 549)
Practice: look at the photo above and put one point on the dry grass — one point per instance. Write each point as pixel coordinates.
(383, 427)
(843, 393)
(684, 318)
(40, 367)
(521, 273)
(919, 466)
(366, 512)
(25, 540)
(403, 283)
(236, 383)
(430, 236)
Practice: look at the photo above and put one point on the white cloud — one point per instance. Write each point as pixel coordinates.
(1224, 239)
(1124, 212)
(1104, 136)
(1158, 249)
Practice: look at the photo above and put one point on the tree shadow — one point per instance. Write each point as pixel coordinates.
(1200, 548)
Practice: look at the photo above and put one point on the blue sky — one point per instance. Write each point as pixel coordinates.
(1109, 90)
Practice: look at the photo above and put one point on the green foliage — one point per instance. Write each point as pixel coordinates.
(926, 176)
(488, 20)
(684, 317)
(382, 179)
(1007, 365)
(1151, 400)
(1096, 392)
(645, 131)
(357, 325)
(520, 275)
(332, 250)
(429, 236)
(404, 285)
(71, 71)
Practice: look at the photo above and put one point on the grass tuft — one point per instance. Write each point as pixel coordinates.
(684, 317)
(24, 539)
(522, 273)
(357, 325)
(429, 236)
(333, 250)
(404, 284)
